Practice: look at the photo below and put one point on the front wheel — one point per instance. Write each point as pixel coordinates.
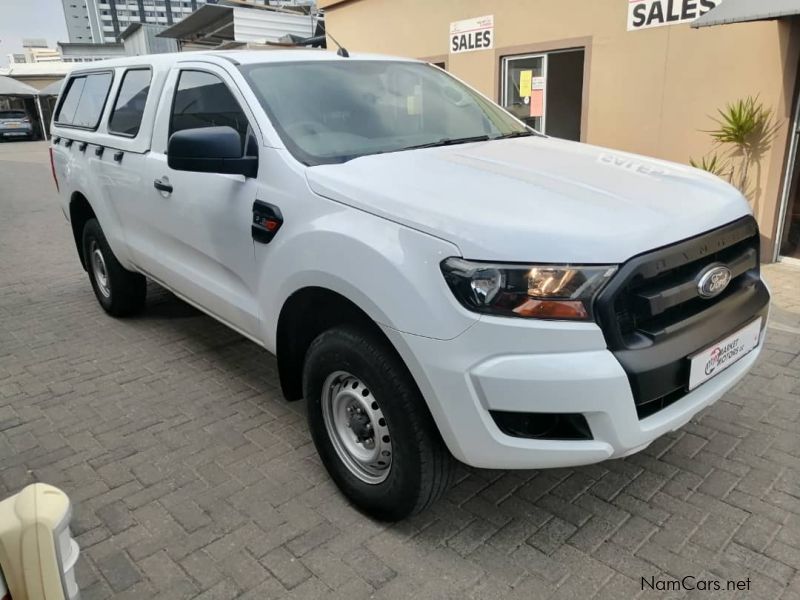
(371, 426)
(120, 292)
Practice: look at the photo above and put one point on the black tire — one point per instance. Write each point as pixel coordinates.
(421, 467)
(126, 291)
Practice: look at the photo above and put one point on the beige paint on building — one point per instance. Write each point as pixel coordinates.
(650, 91)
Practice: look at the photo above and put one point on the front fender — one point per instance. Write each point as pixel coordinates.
(388, 270)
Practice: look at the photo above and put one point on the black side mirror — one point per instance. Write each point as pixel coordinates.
(210, 150)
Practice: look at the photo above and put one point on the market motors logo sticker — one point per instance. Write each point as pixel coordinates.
(716, 358)
(713, 281)
(721, 355)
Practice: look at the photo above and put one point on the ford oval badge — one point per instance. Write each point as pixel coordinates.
(713, 281)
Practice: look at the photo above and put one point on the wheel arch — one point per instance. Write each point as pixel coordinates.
(304, 315)
(80, 211)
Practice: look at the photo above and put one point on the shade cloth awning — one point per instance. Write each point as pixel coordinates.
(54, 89)
(742, 11)
(12, 87)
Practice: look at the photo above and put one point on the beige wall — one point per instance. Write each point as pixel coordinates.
(648, 91)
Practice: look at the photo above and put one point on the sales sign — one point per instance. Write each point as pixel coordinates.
(472, 34)
(643, 14)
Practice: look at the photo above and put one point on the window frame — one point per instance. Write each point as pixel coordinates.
(116, 98)
(78, 75)
(175, 90)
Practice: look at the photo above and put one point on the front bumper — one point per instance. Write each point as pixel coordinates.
(491, 367)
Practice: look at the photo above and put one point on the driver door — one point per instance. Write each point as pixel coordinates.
(196, 236)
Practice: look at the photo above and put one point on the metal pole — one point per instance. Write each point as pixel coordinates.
(791, 161)
(41, 118)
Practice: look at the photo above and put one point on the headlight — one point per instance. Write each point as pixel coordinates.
(532, 291)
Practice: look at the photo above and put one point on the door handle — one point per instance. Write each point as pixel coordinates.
(162, 186)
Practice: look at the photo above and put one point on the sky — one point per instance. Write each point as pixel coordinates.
(29, 19)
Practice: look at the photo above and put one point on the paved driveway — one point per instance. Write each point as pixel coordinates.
(191, 477)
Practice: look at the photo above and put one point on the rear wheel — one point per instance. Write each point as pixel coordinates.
(371, 425)
(120, 292)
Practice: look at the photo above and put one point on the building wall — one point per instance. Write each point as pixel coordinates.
(91, 52)
(40, 55)
(102, 21)
(76, 17)
(145, 40)
(650, 91)
(111, 17)
(114, 16)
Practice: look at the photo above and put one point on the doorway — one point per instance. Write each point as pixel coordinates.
(788, 243)
(790, 231)
(545, 90)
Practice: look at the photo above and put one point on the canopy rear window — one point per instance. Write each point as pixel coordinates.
(84, 99)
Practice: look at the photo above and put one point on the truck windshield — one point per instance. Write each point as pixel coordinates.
(331, 112)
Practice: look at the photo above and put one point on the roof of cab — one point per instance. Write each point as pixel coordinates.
(236, 56)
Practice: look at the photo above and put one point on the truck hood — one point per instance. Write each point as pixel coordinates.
(535, 199)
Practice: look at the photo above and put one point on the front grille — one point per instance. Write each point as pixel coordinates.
(653, 317)
(650, 303)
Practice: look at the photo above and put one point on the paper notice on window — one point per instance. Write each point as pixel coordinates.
(525, 78)
(414, 103)
(537, 83)
(537, 103)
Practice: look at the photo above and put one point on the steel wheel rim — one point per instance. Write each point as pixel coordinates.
(356, 427)
(99, 269)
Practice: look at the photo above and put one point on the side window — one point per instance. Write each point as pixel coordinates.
(69, 104)
(126, 116)
(84, 100)
(203, 100)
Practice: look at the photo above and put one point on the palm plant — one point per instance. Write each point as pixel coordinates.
(745, 129)
(713, 164)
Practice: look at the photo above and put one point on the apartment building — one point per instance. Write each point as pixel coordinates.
(79, 26)
(35, 50)
(102, 21)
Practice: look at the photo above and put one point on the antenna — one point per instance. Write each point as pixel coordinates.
(342, 51)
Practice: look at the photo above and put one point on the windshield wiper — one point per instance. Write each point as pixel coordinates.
(449, 142)
(444, 142)
(514, 134)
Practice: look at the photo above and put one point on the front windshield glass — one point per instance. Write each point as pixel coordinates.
(334, 111)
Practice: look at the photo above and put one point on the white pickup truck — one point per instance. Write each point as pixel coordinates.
(436, 279)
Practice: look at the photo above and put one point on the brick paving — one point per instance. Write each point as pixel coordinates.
(191, 477)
